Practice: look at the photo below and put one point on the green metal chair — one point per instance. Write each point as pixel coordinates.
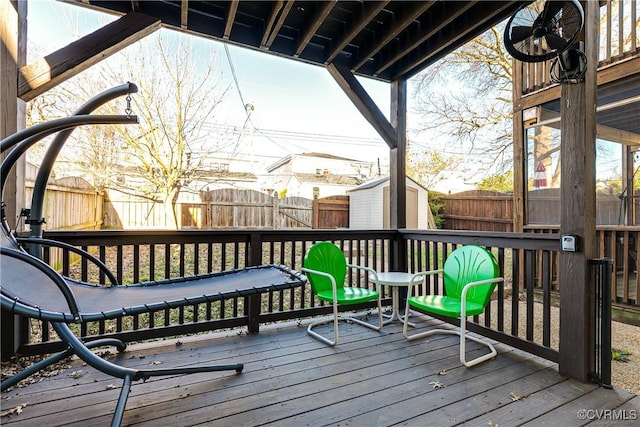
(470, 275)
(325, 267)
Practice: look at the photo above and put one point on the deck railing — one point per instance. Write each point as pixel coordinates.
(516, 316)
(621, 245)
(619, 40)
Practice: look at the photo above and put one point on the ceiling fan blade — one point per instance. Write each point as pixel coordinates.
(520, 33)
(551, 9)
(555, 42)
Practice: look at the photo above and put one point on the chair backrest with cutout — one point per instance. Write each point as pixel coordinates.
(328, 258)
(470, 263)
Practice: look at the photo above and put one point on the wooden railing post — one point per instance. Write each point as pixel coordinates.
(253, 302)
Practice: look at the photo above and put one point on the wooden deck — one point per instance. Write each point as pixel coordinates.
(370, 379)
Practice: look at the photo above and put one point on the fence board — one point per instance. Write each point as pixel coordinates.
(331, 212)
(478, 210)
(70, 204)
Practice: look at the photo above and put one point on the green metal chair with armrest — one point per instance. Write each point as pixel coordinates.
(470, 275)
(325, 267)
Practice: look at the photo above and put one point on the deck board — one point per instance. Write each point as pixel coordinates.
(370, 378)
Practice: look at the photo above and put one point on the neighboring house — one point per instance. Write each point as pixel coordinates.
(319, 175)
(217, 173)
(214, 173)
(369, 206)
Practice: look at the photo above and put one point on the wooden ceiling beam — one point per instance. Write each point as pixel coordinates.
(325, 10)
(184, 14)
(45, 73)
(273, 16)
(423, 37)
(363, 102)
(454, 38)
(401, 23)
(276, 21)
(231, 17)
(369, 11)
(616, 135)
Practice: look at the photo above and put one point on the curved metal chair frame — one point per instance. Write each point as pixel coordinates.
(325, 267)
(470, 275)
(30, 287)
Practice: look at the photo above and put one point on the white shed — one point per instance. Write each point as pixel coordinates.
(369, 206)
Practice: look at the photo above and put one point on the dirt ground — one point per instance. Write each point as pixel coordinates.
(625, 373)
(625, 338)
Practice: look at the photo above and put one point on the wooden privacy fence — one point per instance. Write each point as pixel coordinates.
(69, 203)
(493, 211)
(331, 212)
(478, 210)
(231, 208)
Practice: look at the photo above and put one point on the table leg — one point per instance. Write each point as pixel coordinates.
(395, 309)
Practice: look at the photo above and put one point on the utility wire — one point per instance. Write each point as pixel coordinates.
(244, 104)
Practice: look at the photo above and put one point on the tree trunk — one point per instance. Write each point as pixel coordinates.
(169, 205)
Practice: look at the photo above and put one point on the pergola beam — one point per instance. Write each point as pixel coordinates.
(231, 17)
(40, 76)
(369, 9)
(325, 9)
(363, 102)
(276, 21)
(431, 54)
(402, 21)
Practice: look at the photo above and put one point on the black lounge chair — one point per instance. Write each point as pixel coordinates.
(30, 287)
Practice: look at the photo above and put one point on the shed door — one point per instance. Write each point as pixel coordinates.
(412, 208)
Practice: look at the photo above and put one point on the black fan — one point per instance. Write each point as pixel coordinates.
(537, 33)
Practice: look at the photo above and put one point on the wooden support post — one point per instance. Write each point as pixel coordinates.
(519, 153)
(13, 40)
(398, 171)
(578, 211)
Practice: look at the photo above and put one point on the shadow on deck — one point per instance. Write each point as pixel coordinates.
(370, 379)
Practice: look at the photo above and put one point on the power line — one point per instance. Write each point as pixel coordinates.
(301, 136)
(272, 134)
(244, 104)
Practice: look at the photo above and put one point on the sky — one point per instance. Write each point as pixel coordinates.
(288, 96)
(297, 107)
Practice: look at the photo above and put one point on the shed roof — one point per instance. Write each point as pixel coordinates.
(381, 181)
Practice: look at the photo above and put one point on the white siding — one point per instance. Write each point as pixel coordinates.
(365, 210)
(366, 206)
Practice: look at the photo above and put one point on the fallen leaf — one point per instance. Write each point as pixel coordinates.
(76, 374)
(17, 410)
(516, 397)
(436, 384)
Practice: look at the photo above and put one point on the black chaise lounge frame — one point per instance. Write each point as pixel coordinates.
(31, 288)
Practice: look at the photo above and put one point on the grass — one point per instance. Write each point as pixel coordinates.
(620, 355)
(176, 260)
